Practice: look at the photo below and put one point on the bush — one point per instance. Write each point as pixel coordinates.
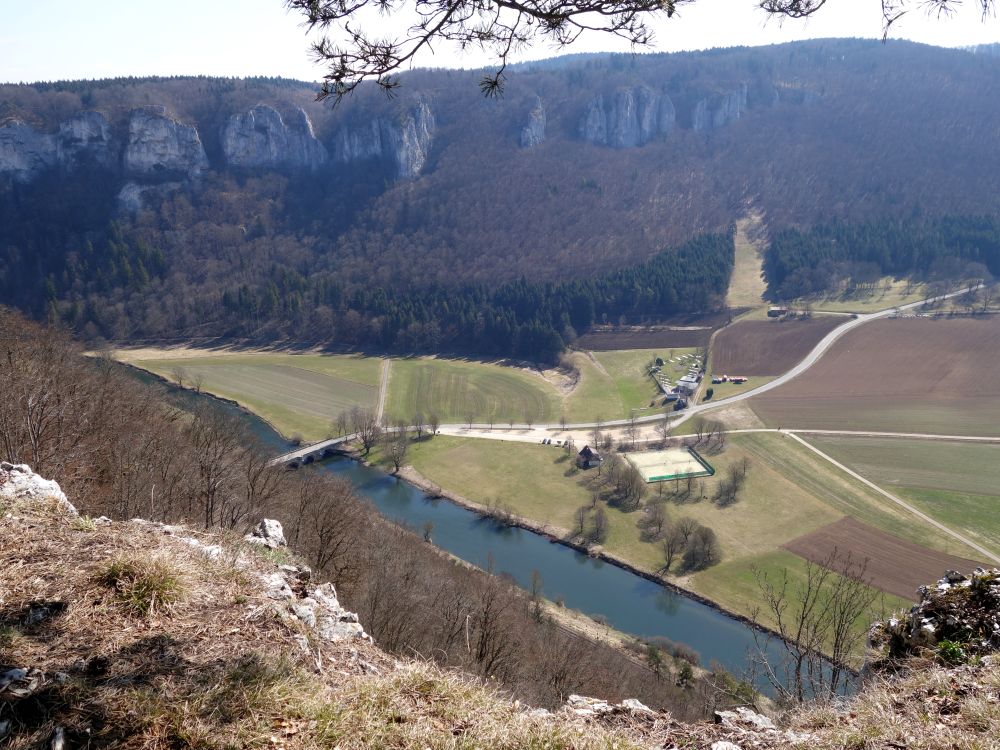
(142, 586)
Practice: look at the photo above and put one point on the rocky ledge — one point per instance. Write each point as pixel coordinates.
(958, 618)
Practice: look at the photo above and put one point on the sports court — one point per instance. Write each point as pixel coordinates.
(672, 463)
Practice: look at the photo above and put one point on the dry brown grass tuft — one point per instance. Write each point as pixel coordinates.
(142, 585)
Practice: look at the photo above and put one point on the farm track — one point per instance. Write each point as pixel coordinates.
(902, 503)
(383, 388)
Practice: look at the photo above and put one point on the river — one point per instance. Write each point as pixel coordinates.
(624, 600)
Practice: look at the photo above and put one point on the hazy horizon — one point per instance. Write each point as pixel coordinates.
(62, 40)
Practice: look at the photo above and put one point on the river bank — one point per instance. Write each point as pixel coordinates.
(558, 535)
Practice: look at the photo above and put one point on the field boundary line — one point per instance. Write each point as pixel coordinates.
(383, 389)
(902, 503)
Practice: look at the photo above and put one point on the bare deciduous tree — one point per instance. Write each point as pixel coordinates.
(815, 619)
(365, 424)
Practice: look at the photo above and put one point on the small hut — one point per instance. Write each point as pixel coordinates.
(587, 458)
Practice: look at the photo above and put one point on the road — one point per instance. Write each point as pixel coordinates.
(539, 431)
(383, 388)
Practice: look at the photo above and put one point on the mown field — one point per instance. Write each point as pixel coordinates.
(299, 394)
(908, 375)
(885, 293)
(777, 507)
(956, 483)
(768, 347)
(457, 390)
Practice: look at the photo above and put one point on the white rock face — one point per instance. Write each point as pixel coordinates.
(18, 483)
(261, 138)
(159, 146)
(406, 140)
(720, 112)
(632, 117)
(24, 152)
(267, 533)
(85, 135)
(534, 132)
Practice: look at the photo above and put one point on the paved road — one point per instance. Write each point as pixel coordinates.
(544, 430)
(923, 516)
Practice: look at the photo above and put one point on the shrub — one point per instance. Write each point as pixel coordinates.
(142, 586)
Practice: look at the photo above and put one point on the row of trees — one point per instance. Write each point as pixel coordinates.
(800, 262)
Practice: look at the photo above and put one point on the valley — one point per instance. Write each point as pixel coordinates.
(500, 452)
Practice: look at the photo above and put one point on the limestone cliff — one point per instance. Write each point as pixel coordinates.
(405, 140)
(533, 133)
(24, 152)
(721, 110)
(260, 137)
(159, 146)
(86, 136)
(631, 117)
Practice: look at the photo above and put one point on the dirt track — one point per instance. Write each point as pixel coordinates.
(895, 565)
(767, 347)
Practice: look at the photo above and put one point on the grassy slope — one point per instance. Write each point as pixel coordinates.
(619, 383)
(956, 483)
(629, 370)
(746, 285)
(297, 393)
(880, 298)
(455, 390)
(534, 481)
(594, 395)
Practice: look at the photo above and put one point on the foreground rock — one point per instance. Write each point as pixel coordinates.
(20, 485)
(958, 618)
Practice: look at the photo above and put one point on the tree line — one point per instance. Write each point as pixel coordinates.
(800, 262)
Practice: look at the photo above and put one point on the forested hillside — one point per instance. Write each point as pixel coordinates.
(179, 207)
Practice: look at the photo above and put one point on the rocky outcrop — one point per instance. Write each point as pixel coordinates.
(86, 136)
(261, 138)
(718, 112)
(632, 117)
(20, 485)
(405, 140)
(135, 196)
(268, 533)
(160, 147)
(24, 152)
(533, 133)
(958, 617)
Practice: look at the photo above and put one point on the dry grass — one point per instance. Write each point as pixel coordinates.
(147, 643)
(929, 707)
(142, 585)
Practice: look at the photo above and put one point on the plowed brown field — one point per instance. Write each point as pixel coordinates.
(923, 375)
(767, 347)
(895, 565)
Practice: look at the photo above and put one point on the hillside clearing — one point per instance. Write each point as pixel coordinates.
(746, 285)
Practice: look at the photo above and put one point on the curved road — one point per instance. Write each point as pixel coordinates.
(678, 417)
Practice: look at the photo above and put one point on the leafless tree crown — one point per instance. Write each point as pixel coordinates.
(353, 45)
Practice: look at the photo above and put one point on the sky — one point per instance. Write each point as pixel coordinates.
(69, 39)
